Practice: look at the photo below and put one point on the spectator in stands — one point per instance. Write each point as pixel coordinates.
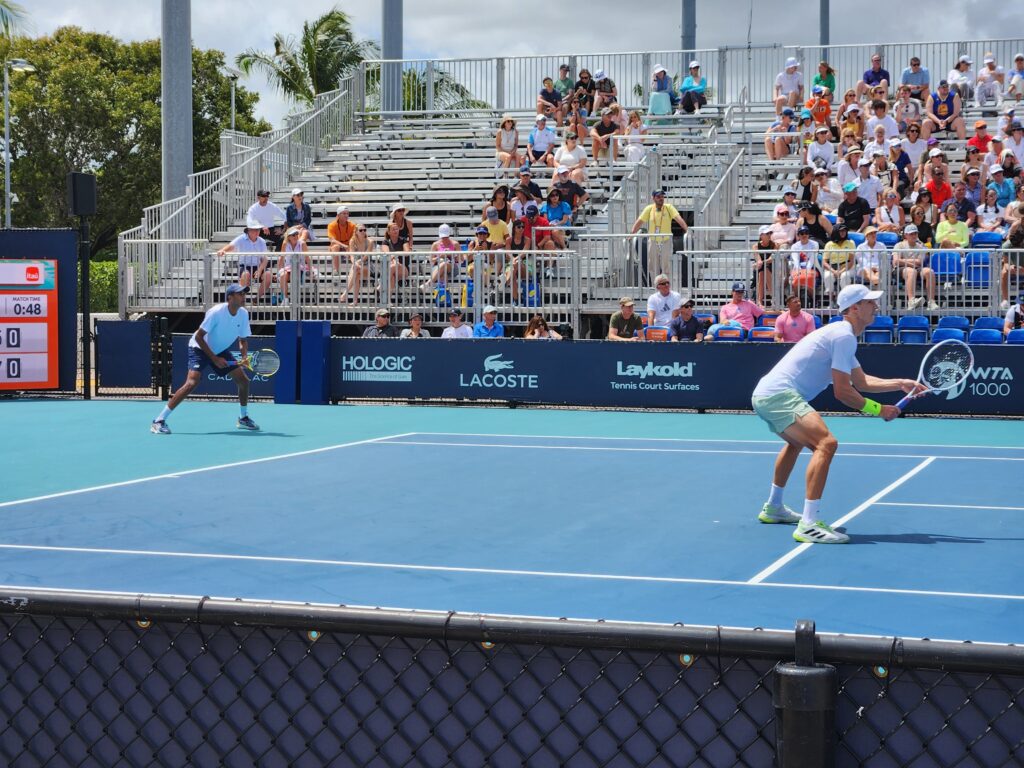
(925, 230)
(839, 113)
(1011, 168)
(915, 78)
(961, 78)
(549, 101)
(456, 329)
(661, 82)
(635, 130)
(951, 232)
(805, 129)
(944, 112)
(692, 90)
(789, 86)
(519, 241)
(789, 200)
(663, 303)
(914, 145)
(906, 110)
(805, 186)
(981, 138)
(446, 258)
(991, 216)
(901, 167)
(299, 214)
(481, 244)
(854, 211)
(658, 217)
(847, 172)
(684, 326)
(826, 78)
(339, 233)
(910, 263)
(973, 161)
(868, 255)
(1004, 187)
(779, 137)
(573, 158)
(572, 192)
(878, 143)
(853, 120)
(605, 93)
(564, 82)
(294, 257)
(499, 201)
(938, 187)
(359, 248)
(764, 252)
(415, 329)
(936, 159)
(1015, 141)
(740, 309)
(625, 325)
(793, 324)
(497, 230)
(880, 116)
(489, 327)
(821, 153)
(868, 186)
(520, 198)
(1012, 269)
(253, 262)
(990, 81)
(382, 327)
(398, 264)
(537, 228)
(1015, 77)
(506, 143)
(1015, 211)
(601, 141)
(889, 216)
(270, 217)
(783, 229)
(837, 263)
(537, 329)
(1014, 316)
(584, 92)
(576, 123)
(1008, 116)
(875, 77)
(817, 223)
(804, 263)
(559, 215)
(540, 144)
(995, 151)
(974, 189)
(526, 182)
(966, 210)
(399, 217)
(931, 211)
(829, 194)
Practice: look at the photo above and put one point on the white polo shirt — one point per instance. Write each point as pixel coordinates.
(808, 366)
(268, 215)
(222, 328)
(242, 244)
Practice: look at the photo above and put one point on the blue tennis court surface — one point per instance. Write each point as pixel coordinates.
(621, 516)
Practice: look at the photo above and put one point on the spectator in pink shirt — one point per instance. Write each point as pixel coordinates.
(794, 324)
(740, 309)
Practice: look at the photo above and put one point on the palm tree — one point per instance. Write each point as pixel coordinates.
(449, 95)
(12, 18)
(314, 63)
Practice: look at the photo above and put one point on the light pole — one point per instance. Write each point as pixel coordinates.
(232, 75)
(17, 65)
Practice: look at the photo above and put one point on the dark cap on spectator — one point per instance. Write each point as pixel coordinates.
(788, 111)
(740, 287)
(482, 230)
(943, 83)
(658, 193)
(804, 231)
(235, 288)
(563, 66)
(455, 311)
(531, 209)
(525, 169)
(262, 193)
(625, 301)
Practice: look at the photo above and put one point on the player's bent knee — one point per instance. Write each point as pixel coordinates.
(828, 444)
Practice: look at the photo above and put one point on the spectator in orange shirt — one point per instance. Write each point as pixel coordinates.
(339, 232)
(821, 109)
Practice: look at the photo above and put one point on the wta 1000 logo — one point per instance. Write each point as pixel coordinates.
(985, 381)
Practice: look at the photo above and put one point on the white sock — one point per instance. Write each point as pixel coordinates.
(775, 496)
(245, 410)
(810, 511)
(165, 414)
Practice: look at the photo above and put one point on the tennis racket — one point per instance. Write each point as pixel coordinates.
(945, 366)
(262, 362)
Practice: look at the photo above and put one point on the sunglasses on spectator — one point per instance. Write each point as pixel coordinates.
(661, 284)
(783, 213)
(913, 130)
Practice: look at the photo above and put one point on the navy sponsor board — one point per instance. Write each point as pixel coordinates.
(214, 383)
(719, 375)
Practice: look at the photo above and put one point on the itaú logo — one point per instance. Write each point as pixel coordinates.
(672, 371)
(493, 378)
(377, 367)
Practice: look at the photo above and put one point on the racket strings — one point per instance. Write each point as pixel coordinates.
(947, 366)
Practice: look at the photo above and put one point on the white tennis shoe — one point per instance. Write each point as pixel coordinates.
(819, 532)
(772, 513)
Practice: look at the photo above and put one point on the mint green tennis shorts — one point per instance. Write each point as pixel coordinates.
(781, 409)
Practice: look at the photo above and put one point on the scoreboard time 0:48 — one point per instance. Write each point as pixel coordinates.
(28, 324)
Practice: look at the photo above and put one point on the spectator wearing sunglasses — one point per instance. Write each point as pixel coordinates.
(584, 92)
(915, 79)
(783, 229)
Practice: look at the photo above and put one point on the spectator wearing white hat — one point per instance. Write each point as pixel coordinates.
(540, 144)
(572, 192)
(961, 77)
(253, 262)
(294, 258)
(661, 82)
(868, 186)
(445, 257)
(875, 77)
(934, 165)
(573, 158)
(990, 81)
(299, 214)
(910, 262)
(1004, 187)
(789, 86)
(903, 169)
(605, 92)
(821, 153)
(944, 112)
(1016, 77)
(693, 90)
(399, 216)
(489, 327)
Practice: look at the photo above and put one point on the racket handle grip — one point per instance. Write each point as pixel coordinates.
(903, 403)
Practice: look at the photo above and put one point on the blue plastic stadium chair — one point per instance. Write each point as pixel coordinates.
(888, 239)
(767, 320)
(989, 323)
(761, 333)
(880, 331)
(857, 238)
(946, 265)
(955, 321)
(836, 319)
(986, 239)
(985, 336)
(709, 316)
(977, 269)
(912, 329)
(942, 334)
(817, 321)
(1016, 336)
(832, 217)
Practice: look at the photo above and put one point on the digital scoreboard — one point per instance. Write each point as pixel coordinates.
(28, 324)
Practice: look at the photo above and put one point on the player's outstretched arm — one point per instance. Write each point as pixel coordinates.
(867, 383)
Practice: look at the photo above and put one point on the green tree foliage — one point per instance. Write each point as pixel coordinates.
(94, 105)
(313, 63)
(450, 96)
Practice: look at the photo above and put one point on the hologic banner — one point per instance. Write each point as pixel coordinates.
(718, 375)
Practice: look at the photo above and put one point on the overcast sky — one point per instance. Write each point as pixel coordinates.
(461, 28)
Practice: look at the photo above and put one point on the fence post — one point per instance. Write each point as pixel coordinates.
(645, 74)
(207, 280)
(723, 79)
(430, 85)
(499, 75)
(804, 697)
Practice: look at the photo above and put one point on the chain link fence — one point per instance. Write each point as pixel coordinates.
(136, 680)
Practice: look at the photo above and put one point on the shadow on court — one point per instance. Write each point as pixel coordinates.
(919, 538)
(238, 433)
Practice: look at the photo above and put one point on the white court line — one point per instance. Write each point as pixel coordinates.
(946, 506)
(183, 472)
(497, 571)
(709, 440)
(760, 577)
(620, 449)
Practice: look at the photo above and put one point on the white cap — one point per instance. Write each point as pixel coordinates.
(599, 74)
(855, 107)
(765, 230)
(792, 62)
(659, 68)
(296, 191)
(823, 129)
(293, 231)
(694, 63)
(538, 118)
(253, 224)
(342, 209)
(398, 207)
(864, 161)
(822, 171)
(444, 231)
(910, 229)
(934, 152)
(989, 59)
(995, 168)
(562, 169)
(965, 59)
(895, 142)
(851, 294)
(1018, 56)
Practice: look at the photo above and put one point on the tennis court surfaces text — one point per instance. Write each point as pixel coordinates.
(645, 517)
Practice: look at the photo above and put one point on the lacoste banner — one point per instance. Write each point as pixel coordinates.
(720, 375)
